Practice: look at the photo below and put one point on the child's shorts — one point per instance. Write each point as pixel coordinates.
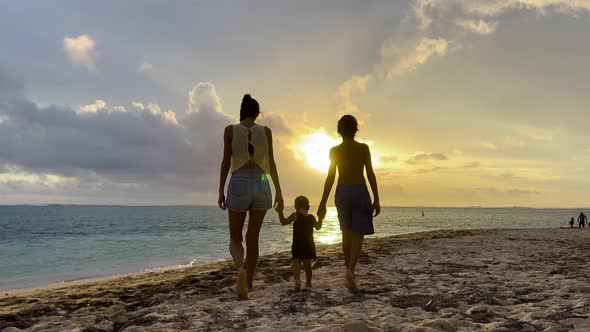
(248, 189)
(355, 210)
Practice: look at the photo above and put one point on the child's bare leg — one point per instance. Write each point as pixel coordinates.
(307, 268)
(297, 274)
(355, 252)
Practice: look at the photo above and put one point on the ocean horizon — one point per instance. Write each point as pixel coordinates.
(62, 242)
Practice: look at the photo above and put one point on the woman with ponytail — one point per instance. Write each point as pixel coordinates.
(248, 153)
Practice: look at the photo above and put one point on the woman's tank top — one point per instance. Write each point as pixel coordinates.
(240, 151)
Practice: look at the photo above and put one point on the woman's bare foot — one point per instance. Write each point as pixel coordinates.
(297, 286)
(350, 281)
(242, 285)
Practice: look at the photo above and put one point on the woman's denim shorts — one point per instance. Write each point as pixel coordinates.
(248, 189)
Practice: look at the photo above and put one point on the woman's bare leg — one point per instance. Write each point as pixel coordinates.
(297, 274)
(254, 224)
(307, 268)
(236, 249)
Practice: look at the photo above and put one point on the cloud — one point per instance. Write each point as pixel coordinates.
(203, 98)
(145, 148)
(477, 26)
(431, 27)
(347, 88)
(422, 157)
(145, 66)
(137, 105)
(80, 51)
(509, 192)
(93, 108)
(403, 60)
(474, 164)
(278, 123)
(431, 170)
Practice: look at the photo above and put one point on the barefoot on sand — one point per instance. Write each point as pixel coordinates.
(350, 281)
(242, 286)
(297, 286)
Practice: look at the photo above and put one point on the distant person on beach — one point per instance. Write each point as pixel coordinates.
(248, 152)
(303, 246)
(353, 202)
(582, 219)
(572, 221)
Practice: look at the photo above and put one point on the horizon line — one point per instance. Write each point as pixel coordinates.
(385, 206)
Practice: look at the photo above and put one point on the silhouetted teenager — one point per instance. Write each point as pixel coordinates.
(582, 219)
(355, 211)
(248, 152)
(572, 223)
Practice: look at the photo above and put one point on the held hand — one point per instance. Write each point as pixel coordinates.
(221, 201)
(376, 208)
(279, 209)
(321, 212)
(278, 204)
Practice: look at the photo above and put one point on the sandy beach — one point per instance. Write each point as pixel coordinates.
(480, 280)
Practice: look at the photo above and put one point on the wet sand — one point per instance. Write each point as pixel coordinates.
(480, 280)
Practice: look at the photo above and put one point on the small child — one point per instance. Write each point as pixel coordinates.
(572, 223)
(303, 247)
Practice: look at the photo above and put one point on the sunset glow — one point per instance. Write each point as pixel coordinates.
(314, 149)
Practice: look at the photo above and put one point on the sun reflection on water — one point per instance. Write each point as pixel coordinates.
(330, 232)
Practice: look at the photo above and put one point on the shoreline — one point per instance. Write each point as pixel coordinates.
(466, 280)
(104, 278)
(138, 274)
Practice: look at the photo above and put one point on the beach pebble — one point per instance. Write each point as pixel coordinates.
(555, 329)
(144, 329)
(359, 327)
(442, 325)
(105, 325)
(117, 314)
(413, 328)
(11, 329)
(579, 324)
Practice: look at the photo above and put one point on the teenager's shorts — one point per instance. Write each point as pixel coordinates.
(355, 211)
(248, 189)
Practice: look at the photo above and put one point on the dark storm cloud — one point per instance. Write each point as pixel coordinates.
(125, 146)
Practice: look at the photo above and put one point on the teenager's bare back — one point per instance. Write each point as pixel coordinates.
(350, 158)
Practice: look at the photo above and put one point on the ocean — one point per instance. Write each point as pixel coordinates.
(48, 244)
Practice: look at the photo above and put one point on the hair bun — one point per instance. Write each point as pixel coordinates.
(247, 97)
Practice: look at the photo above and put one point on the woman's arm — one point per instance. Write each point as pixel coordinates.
(288, 220)
(372, 181)
(225, 165)
(327, 187)
(273, 171)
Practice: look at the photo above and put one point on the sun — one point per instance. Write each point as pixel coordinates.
(314, 149)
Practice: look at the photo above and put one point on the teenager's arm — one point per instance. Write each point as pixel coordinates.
(225, 165)
(317, 224)
(288, 220)
(273, 171)
(327, 187)
(372, 181)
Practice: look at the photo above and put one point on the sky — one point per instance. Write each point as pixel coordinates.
(463, 102)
